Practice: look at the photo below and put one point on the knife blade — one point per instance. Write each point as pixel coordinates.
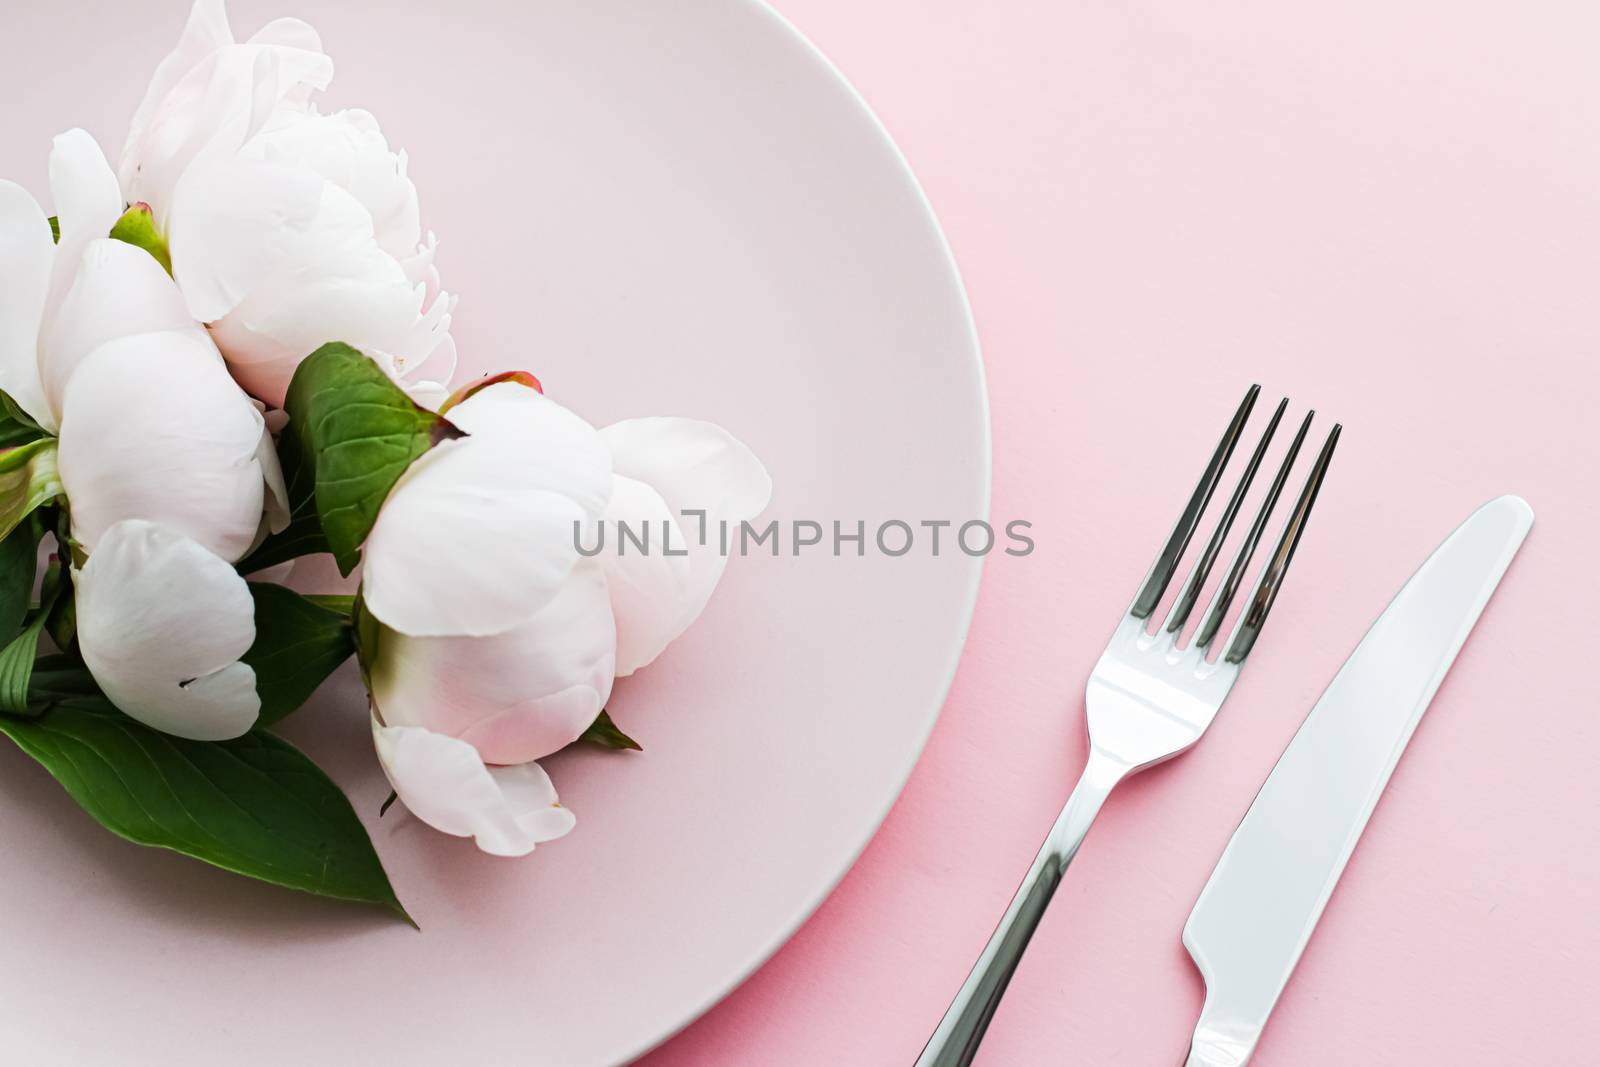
(1257, 911)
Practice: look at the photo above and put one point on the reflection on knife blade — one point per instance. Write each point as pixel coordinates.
(1257, 911)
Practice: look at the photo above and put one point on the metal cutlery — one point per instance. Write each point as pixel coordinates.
(1261, 903)
(1148, 699)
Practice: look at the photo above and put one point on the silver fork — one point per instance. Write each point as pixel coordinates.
(1147, 700)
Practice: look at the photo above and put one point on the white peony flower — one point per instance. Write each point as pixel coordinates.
(157, 429)
(287, 228)
(493, 628)
(507, 811)
(477, 536)
(162, 623)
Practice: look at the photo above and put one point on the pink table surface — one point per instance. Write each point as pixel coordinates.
(1389, 210)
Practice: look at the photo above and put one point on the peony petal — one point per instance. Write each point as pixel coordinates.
(277, 574)
(302, 68)
(694, 466)
(211, 111)
(119, 291)
(205, 32)
(288, 33)
(356, 295)
(276, 504)
(507, 811)
(479, 533)
(349, 149)
(427, 394)
(650, 588)
(517, 695)
(82, 187)
(237, 224)
(87, 203)
(420, 267)
(425, 348)
(26, 254)
(318, 575)
(162, 623)
(570, 456)
(155, 429)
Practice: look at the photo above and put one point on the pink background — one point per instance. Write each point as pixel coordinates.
(1390, 211)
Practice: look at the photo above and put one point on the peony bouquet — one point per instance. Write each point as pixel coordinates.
(231, 352)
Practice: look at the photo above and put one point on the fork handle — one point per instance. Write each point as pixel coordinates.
(955, 1042)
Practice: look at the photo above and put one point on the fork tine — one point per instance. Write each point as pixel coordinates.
(1155, 583)
(1202, 569)
(1255, 617)
(1226, 592)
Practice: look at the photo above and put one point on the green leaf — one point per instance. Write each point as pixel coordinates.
(28, 479)
(298, 644)
(137, 227)
(62, 624)
(255, 805)
(16, 658)
(604, 732)
(352, 433)
(302, 537)
(16, 667)
(343, 603)
(16, 426)
(55, 229)
(59, 679)
(19, 560)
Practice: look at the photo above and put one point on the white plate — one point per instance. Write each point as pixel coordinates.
(658, 208)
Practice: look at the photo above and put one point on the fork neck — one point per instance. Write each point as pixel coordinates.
(1100, 776)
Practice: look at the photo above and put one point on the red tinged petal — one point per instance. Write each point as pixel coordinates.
(521, 377)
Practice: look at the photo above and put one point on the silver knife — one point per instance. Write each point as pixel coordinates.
(1256, 913)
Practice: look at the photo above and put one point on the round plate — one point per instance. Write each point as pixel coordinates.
(659, 209)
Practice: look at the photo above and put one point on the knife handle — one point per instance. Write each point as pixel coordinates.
(1219, 1042)
(956, 1040)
